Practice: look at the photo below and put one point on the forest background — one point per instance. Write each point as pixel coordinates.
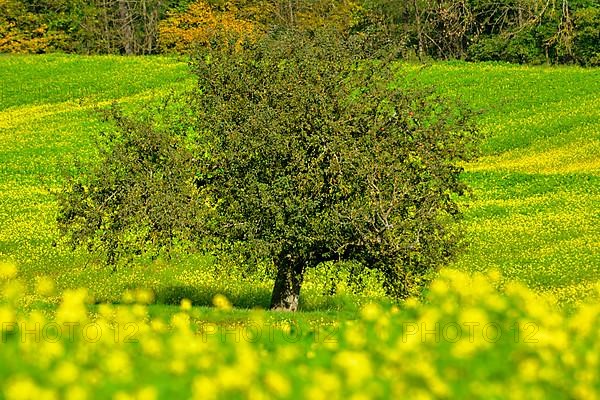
(518, 31)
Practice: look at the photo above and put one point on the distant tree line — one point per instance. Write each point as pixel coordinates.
(523, 31)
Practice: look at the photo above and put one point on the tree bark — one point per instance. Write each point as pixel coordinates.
(126, 31)
(420, 50)
(286, 290)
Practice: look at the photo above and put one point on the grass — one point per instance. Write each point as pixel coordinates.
(44, 131)
(534, 211)
(533, 217)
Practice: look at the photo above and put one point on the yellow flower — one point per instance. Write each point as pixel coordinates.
(121, 395)
(73, 308)
(13, 291)
(158, 325)
(22, 388)
(151, 346)
(356, 366)
(495, 302)
(66, 373)
(76, 393)
(494, 275)
(287, 354)
(464, 348)
(439, 287)
(181, 321)
(144, 296)
(584, 392)
(360, 396)
(177, 366)
(118, 364)
(583, 322)
(473, 316)
(529, 369)
(128, 297)
(204, 388)
(48, 351)
(371, 312)
(229, 378)
(221, 302)
(411, 303)
(277, 384)
(107, 311)
(139, 311)
(355, 336)
(328, 384)
(186, 304)
(7, 318)
(147, 393)
(7, 270)
(44, 286)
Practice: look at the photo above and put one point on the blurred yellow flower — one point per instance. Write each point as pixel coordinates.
(204, 388)
(186, 304)
(7, 318)
(44, 286)
(221, 302)
(355, 365)
(7, 270)
(147, 393)
(118, 364)
(128, 297)
(144, 296)
(73, 307)
(66, 373)
(76, 392)
(277, 384)
(21, 388)
(371, 312)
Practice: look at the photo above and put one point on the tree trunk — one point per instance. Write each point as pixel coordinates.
(126, 31)
(420, 50)
(286, 291)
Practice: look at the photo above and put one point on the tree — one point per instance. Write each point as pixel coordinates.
(304, 150)
(199, 25)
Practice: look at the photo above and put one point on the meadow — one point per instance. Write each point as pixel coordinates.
(516, 315)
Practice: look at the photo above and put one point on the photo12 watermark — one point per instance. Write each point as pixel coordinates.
(452, 332)
(253, 332)
(52, 332)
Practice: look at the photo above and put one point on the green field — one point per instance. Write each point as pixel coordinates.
(533, 218)
(536, 211)
(534, 214)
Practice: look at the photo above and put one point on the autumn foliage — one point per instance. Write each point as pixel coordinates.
(200, 25)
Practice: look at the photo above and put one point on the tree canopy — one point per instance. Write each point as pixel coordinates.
(303, 147)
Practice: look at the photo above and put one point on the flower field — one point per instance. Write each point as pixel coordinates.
(466, 340)
(515, 316)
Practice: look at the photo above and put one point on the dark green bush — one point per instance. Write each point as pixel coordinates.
(139, 198)
(300, 149)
